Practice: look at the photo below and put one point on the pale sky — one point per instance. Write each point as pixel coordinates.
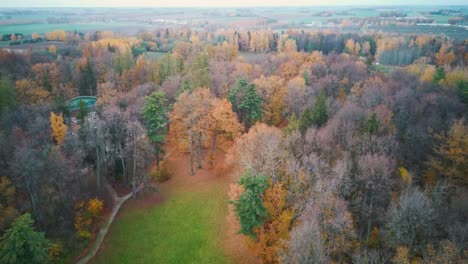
(217, 3)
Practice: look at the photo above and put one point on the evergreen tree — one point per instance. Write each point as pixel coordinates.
(320, 113)
(46, 82)
(371, 125)
(87, 83)
(155, 113)
(251, 105)
(306, 120)
(294, 124)
(7, 94)
(306, 78)
(249, 207)
(22, 245)
(246, 102)
(61, 106)
(234, 94)
(462, 91)
(82, 112)
(439, 75)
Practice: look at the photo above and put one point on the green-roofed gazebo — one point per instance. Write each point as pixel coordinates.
(74, 103)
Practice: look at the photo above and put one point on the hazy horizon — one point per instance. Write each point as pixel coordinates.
(216, 3)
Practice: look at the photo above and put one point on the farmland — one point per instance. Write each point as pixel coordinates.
(28, 29)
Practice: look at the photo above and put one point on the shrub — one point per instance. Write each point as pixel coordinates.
(86, 215)
(95, 207)
(161, 175)
(55, 251)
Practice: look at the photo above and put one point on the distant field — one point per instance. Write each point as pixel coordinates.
(154, 55)
(441, 19)
(42, 28)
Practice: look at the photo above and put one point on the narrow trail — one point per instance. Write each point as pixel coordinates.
(118, 202)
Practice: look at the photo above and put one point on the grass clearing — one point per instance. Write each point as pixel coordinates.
(155, 55)
(184, 228)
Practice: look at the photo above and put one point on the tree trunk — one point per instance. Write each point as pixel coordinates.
(191, 152)
(199, 150)
(213, 145)
(369, 221)
(157, 150)
(134, 170)
(98, 169)
(124, 171)
(33, 197)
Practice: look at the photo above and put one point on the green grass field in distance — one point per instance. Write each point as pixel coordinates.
(28, 29)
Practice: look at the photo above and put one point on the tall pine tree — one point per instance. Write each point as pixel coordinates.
(155, 113)
(7, 94)
(21, 244)
(306, 120)
(87, 83)
(371, 125)
(249, 208)
(246, 102)
(320, 113)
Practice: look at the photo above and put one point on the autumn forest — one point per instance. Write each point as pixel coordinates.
(253, 141)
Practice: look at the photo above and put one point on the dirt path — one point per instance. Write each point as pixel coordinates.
(118, 202)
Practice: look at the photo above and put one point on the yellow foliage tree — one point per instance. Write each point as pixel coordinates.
(366, 48)
(405, 176)
(451, 160)
(349, 46)
(58, 35)
(275, 230)
(428, 74)
(59, 129)
(290, 46)
(35, 36)
(87, 213)
(52, 49)
(444, 57)
(7, 203)
(95, 207)
(191, 121)
(272, 91)
(225, 122)
(401, 256)
(357, 48)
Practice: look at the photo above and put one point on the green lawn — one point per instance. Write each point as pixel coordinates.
(185, 228)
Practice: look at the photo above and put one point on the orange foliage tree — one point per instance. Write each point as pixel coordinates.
(444, 56)
(87, 213)
(272, 91)
(191, 121)
(58, 35)
(451, 160)
(272, 234)
(225, 122)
